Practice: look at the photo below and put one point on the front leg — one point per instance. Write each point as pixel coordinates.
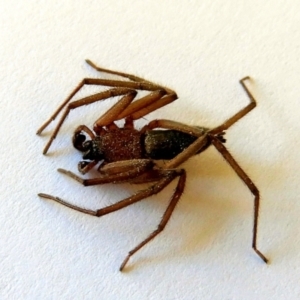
(127, 93)
(116, 173)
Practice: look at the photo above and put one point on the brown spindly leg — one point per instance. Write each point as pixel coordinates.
(137, 109)
(118, 111)
(169, 124)
(166, 216)
(251, 186)
(239, 114)
(126, 75)
(135, 83)
(101, 82)
(123, 166)
(108, 118)
(115, 173)
(159, 97)
(122, 74)
(85, 101)
(146, 105)
(163, 178)
(126, 172)
(194, 148)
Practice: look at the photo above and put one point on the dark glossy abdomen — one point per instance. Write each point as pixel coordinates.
(166, 144)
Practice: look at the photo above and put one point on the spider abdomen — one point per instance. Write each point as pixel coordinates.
(166, 144)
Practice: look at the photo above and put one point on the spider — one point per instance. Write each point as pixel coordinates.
(130, 155)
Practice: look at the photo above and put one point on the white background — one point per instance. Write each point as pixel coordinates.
(201, 49)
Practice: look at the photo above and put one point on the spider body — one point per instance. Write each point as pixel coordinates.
(126, 144)
(130, 155)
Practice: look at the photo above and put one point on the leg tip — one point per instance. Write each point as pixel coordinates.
(47, 146)
(261, 256)
(62, 171)
(245, 78)
(266, 260)
(46, 196)
(90, 63)
(124, 263)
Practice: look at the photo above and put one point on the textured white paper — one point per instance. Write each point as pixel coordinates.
(200, 49)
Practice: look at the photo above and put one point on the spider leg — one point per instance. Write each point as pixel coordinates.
(101, 82)
(239, 114)
(163, 101)
(202, 141)
(118, 112)
(122, 166)
(166, 216)
(251, 186)
(159, 97)
(169, 124)
(113, 173)
(125, 101)
(194, 148)
(166, 177)
(163, 179)
(137, 83)
(145, 105)
(125, 75)
(148, 104)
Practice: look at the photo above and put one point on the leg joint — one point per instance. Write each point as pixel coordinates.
(253, 189)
